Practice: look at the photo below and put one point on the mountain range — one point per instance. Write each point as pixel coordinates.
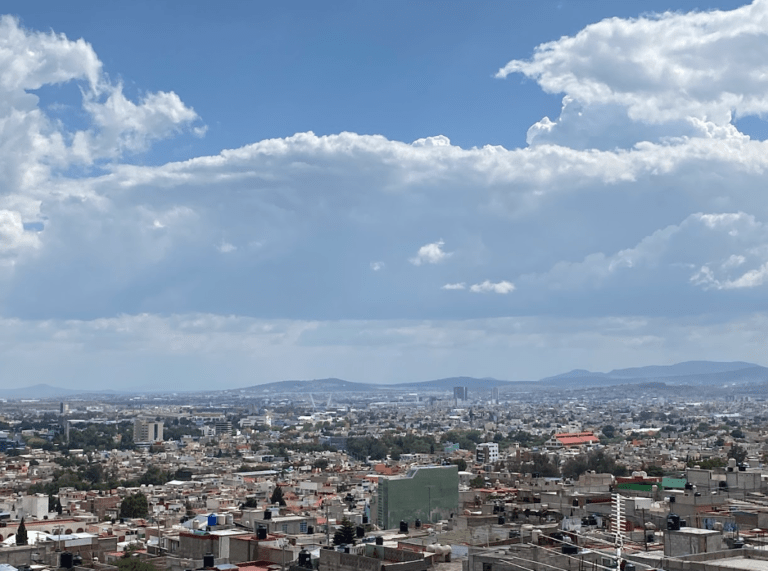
(690, 373)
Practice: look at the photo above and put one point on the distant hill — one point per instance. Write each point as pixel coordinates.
(693, 373)
(37, 392)
(472, 384)
(680, 369)
(689, 374)
(331, 385)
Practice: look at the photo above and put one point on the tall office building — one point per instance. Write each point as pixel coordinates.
(147, 430)
(460, 394)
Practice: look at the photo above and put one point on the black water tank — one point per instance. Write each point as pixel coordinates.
(570, 549)
(267, 514)
(688, 486)
(261, 532)
(208, 561)
(403, 527)
(365, 519)
(671, 499)
(417, 523)
(502, 520)
(310, 529)
(629, 566)
(360, 531)
(305, 559)
(379, 540)
(673, 522)
(65, 560)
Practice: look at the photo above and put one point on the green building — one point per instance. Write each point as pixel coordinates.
(428, 493)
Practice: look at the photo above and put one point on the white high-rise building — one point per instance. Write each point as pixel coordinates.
(147, 430)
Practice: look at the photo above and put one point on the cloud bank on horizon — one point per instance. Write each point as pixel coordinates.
(631, 229)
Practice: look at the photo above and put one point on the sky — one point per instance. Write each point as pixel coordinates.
(211, 195)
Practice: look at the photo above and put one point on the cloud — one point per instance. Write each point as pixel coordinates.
(503, 287)
(226, 247)
(34, 146)
(712, 251)
(431, 254)
(662, 67)
(14, 239)
(631, 211)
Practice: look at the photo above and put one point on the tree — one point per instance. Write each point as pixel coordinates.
(461, 463)
(59, 508)
(135, 505)
(345, 535)
(609, 431)
(277, 496)
(154, 476)
(654, 471)
(738, 453)
(251, 503)
(477, 482)
(21, 534)
(134, 564)
(596, 460)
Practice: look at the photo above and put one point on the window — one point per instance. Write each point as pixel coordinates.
(303, 527)
(285, 528)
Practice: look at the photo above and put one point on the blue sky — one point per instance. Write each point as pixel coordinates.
(249, 192)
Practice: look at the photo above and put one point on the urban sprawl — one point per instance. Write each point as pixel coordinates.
(648, 476)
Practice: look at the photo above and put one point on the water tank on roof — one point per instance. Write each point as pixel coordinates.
(65, 560)
(502, 520)
(261, 532)
(208, 561)
(230, 519)
(305, 559)
(220, 519)
(360, 531)
(310, 529)
(267, 514)
(417, 523)
(673, 522)
(212, 520)
(570, 549)
(403, 527)
(379, 540)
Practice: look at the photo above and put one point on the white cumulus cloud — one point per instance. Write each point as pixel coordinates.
(662, 67)
(431, 254)
(502, 287)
